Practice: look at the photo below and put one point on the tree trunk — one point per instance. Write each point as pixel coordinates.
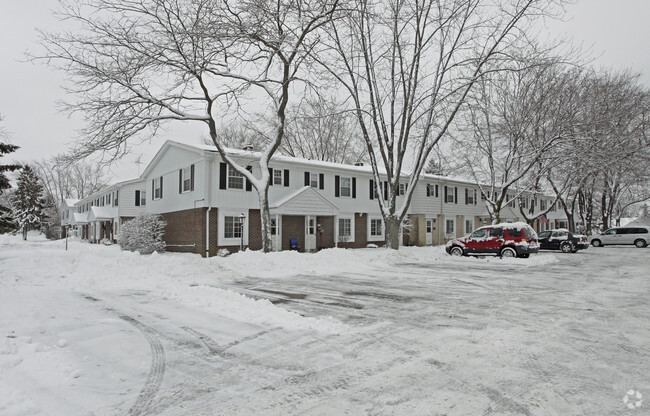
(265, 216)
(392, 232)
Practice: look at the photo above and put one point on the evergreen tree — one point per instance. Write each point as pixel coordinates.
(6, 217)
(28, 202)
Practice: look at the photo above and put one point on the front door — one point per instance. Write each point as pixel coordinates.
(310, 233)
(276, 235)
(429, 235)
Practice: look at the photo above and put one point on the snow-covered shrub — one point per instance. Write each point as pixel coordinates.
(143, 234)
(223, 252)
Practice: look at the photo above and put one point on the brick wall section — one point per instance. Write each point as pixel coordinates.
(293, 226)
(327, 225)
(254, 229)
(360, 232)
(185, 228)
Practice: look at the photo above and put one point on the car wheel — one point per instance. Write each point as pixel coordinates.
(566, 247)
(597, 243)
(456, 251)
(508, 252)
(640, 243)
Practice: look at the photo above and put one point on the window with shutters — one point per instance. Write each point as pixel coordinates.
(401, 190)
(346, 186)
(277, 176)
(157, 188)
(186, 179)
(236, 179)
(432, 190)
(450, 194)
(543, 204)
(143, 198)
(523, 202)
(471, 196)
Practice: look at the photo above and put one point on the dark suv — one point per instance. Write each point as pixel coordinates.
(505, 240)
(563, 240)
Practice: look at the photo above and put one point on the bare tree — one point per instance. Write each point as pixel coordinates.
(408, 66)
(137, 64)
(62, 180)
(323, 128)
(511, 124)
(602, 170)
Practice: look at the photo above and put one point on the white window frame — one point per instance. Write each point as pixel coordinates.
(274, 227)
(469, 221)
(381, 235)
(157, 189)
(143, 198)
(231, 241)
(313, 179)
(186, 179)
(234, 177)
(277, 177)
(345, 239)
(451, 233)
(348, 188)
(401, 190)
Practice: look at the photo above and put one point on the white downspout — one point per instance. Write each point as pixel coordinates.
(208, 194)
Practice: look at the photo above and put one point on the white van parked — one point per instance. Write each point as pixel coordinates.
(639, 236)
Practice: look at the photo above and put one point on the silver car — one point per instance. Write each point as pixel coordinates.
(639, 236)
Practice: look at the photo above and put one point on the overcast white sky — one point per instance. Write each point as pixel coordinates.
(617, 32)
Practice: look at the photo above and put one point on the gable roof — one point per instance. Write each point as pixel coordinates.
(99, 214)
(305, 199)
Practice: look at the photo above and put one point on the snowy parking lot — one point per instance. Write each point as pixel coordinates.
(97, 331)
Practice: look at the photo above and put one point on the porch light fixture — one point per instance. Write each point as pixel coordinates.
(242, 217)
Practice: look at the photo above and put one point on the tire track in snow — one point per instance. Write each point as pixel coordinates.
(156, 372)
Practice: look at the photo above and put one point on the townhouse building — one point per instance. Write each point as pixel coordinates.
(209, 206)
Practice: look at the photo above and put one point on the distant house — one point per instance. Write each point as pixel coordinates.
(639, 222)
(209, 206)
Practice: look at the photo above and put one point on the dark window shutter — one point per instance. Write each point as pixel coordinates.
(180, 181)
(307, 179)
(446, 192)
(321, 181)
(436, 190)
(466, 196)
(372, 189)
(249, 186)
(354, 187)
(137, 198)
(428, 189)
(386, 190)
(337, 184)
(455, 194)
(161, 187)
(153, 183)
(474, 196)
(191, 177)
(271, 176)
(286, 177)
(223, 175)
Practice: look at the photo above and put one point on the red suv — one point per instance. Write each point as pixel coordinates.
(504, 240)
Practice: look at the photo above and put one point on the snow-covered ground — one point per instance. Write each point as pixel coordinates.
(96, 331)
